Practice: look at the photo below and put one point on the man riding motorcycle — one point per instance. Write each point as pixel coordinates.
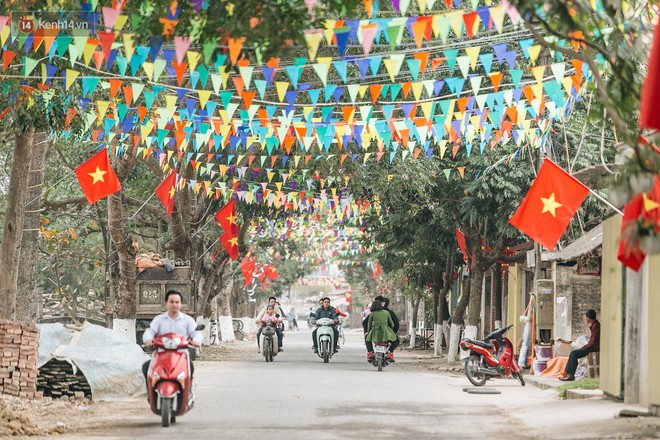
(172, 321)
(326, 311)
(272, 301)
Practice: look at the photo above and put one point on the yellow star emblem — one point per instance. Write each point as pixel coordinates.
(550, 205)
(171, 192)
(231, 219)
(233, 241)
(98, 175)
(649, 204)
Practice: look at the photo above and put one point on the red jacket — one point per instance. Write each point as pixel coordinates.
(594, 340)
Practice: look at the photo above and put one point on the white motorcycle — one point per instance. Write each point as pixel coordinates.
(325, 338)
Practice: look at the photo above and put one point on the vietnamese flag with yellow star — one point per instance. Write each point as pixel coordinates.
(549, 205)
(227, 218)
(97, 178)
(165, 192)
(230, 242)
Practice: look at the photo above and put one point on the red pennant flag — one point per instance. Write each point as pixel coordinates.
(231, 245)
(549, 205)
(227, 218)
(97, 178)
(460, 238)
(628, 251)
(649, 117)
(165, 192)
(247, 267)
(377, 270)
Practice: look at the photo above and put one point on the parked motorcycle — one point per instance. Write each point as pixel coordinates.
(487, 360)
(169, 383)
(269, 341)
(380, 359)
(325, 338)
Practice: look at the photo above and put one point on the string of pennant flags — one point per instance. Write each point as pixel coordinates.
(373, 89)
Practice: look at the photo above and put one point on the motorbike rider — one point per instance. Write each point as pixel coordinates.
(395, 319)
(326, 311)
(172, 321)
(292, 316)
(379, 328)
(272, 301)
(268, 316)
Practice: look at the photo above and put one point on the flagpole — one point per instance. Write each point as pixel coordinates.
(209, 248)
(599, 197)
(203, 226)
(143, 205)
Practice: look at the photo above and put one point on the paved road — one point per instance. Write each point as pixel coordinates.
(300, 397)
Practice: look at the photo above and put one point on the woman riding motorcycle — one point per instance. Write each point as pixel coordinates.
(379, 328)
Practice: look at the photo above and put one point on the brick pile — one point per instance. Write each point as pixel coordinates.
(19, 351)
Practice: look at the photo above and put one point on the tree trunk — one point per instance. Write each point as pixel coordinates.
(458, 321)
(497, 289)
(27, 299)
(10, 250)
(126, 305)
(225, 323)
(415, 311)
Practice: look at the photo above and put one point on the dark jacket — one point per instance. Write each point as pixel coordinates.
(395, 320)
(323, 313)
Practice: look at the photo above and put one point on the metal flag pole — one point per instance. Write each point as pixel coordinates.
(208, 248)
(599, 197)
(143, 205)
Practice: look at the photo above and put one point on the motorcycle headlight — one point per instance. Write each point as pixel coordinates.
(171, 343)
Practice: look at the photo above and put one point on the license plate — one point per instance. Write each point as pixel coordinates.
(380, 349)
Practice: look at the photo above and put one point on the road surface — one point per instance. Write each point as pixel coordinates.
(299, 397)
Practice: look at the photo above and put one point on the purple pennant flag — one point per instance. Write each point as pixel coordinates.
(397, 8)
(284, 159)
(197, 5)
(363, 66)
(499, 50)
(437, 87)
(484, 15)
(168, 54)
(353, 25)
(407, 108)
(510, 57)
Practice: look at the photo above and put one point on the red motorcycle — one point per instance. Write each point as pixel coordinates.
(487, 360)
(169, 383)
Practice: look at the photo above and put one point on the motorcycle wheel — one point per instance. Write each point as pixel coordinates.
(325, 350)
(379, 363)
(471, 366)
(166, 411)
(267, 350)
(520, 378)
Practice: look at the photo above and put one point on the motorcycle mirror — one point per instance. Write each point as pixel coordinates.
(200, 327)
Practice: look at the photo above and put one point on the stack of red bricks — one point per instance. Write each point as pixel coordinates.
(19, 351)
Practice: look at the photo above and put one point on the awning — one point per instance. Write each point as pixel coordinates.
(583, 245)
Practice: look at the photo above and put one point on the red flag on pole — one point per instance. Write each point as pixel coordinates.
(377, 270)
(460, 238)
(165, 192)
(227, 218)
(231, 244)
(97, 178)
(247, 266)
(549, 205)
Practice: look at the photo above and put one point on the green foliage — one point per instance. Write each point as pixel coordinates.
(582, 384)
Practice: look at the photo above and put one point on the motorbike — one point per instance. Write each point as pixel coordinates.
(325, 338)
(490, 359)
(380, 359)
(169, 385)
(269, 341)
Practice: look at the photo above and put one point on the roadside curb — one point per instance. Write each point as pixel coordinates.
(544, 383)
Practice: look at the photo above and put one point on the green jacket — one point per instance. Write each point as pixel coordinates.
(379, 327)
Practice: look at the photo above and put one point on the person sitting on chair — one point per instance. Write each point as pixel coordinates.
(592, 346)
